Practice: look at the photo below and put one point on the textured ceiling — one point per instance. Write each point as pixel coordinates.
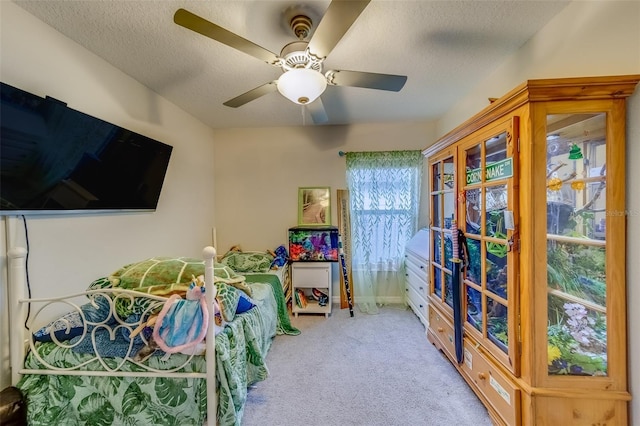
(444, 47)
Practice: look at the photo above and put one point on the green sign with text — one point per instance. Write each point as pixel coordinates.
(495, 171)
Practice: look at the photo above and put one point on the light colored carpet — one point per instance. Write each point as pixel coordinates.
(366, 370)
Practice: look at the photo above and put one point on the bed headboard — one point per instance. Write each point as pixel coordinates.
(15, 291)
(20, 339)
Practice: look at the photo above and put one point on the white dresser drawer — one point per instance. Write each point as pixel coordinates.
(417, 284)
(417, 281)
(416, 261)
(418, 304)
(418, 269)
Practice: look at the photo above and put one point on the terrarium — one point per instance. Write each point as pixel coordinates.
(443, 203)
(539, 330)
(486, 199)
(576, 246)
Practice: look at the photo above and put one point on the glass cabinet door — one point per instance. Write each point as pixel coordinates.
(489, 221)
(443, 206)
(577, 222)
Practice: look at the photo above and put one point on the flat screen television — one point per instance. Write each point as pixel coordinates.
(54, 159)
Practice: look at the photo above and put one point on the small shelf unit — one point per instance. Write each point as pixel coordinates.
(305, 276)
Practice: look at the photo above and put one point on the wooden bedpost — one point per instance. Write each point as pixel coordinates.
(17, 311)
(209, 255)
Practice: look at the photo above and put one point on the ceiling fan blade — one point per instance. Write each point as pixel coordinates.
(339, 17)
(200, 25)
(317, 111)
(368, 80)
(252, 94)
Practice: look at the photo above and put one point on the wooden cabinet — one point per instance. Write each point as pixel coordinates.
(496, 388)
(305, 278)
(440, 332)
(527, 293)
(416, 265)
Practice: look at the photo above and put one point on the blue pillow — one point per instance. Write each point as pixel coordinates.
(280, 258)
(73, 321)
(244, 303)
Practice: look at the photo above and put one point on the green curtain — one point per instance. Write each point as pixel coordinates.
(384, 196)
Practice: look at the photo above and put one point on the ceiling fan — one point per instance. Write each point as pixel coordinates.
(302, 80)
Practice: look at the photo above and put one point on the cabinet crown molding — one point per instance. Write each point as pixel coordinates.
(541, 90)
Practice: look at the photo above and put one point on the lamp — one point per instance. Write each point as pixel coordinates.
(302, 85)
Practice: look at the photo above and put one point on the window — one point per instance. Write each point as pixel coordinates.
(384, 192)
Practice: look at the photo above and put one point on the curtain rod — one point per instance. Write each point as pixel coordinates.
(342, 153)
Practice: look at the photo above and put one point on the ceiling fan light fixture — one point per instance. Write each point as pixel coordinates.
(302, 85)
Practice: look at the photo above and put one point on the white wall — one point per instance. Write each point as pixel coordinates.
(588, 38)
(258, 172)
(68, 252)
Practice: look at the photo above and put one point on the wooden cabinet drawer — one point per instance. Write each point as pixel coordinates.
(443, 331)
(501, 393)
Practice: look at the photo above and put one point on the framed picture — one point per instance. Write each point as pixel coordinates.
(314, 206)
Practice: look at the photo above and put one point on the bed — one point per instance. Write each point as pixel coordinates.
(113, 372)
(256, 265)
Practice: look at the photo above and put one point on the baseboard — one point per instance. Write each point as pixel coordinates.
(387, 300)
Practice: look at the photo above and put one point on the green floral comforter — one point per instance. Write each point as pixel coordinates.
(241, 349)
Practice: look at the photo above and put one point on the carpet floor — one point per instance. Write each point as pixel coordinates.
(365, 370)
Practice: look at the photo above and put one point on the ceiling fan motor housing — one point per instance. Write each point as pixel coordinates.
(294, 55)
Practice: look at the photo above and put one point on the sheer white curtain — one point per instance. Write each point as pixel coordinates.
(384, 197)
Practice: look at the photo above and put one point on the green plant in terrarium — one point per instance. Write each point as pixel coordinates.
(580, 220)
(577, 343)
(498, 327)
(448, 291)
(497, 278)
(578, 270)
(495, 229)
(474, 269)
(590, 262)
(448, 250)
(560, 272)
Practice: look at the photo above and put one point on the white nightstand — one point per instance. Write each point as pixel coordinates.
(305, 276)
